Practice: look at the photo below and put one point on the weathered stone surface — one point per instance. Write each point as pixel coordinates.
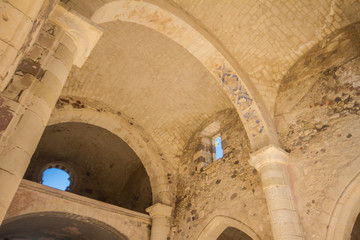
(318, 121)
(155, 81)
(221, 188)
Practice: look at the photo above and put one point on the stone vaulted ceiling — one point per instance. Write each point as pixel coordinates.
(148, 77)
(265, 37)
(140, 73)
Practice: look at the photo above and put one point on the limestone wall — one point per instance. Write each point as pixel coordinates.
(317, 113)
(228, 187)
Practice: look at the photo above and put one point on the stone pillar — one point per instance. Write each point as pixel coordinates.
(160, 216)
(19, 27)
(26, 104)
(271, 162)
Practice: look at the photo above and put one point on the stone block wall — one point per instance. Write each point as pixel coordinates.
(318, 117)
(20, 23)
(227, 187)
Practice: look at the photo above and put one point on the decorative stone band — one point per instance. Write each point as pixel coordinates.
(160, 215)
(272, 162)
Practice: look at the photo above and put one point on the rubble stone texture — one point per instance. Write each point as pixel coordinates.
(129, 96)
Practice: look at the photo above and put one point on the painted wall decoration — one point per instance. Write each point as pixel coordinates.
(241, 98)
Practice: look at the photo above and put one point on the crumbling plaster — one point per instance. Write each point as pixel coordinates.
(318, 122)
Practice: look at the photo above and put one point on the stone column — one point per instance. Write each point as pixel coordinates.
(272, 164)
(26, 104)
(160, 216)
(19, 27)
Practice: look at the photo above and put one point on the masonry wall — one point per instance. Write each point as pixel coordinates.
(318, 117)
(228, 187)
(20, 23)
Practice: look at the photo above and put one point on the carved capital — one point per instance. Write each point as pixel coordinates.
(267, 156)
(159, 210)
(84, 34)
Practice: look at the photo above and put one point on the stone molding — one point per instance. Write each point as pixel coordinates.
(37, 187)
(345, 211)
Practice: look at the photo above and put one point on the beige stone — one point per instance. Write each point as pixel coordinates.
(278, 81)
(14, 161)
(15, 26)
(160, 221)
(9, 182)
(30, 8)
(26, 137)
(8, 54)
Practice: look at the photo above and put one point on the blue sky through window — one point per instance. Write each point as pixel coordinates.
(56, 178)
(218, 148)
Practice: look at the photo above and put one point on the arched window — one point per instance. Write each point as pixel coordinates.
(210, 148)
(218, 151)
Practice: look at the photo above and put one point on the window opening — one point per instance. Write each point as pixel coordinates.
(56, 178)
(217, 147)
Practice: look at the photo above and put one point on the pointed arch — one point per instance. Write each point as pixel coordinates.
(345, 212)
(219, 223)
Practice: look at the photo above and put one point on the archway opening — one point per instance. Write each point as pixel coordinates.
(56, 178)
(355, 234)
(100, 165)
(232, 233)
(57, 226)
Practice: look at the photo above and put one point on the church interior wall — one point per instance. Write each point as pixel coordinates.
(132, 98)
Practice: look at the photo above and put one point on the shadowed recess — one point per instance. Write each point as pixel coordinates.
(57, 226)
(101, 165)
(231, 233)
(355, 234)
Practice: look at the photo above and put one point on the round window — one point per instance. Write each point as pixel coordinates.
(56, 178)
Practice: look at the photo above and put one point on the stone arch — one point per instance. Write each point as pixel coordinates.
(64, 218)
(345, 212)
(140, 142)
(175, 24)
(219, 223)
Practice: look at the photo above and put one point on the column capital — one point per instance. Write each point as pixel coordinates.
(84, 33)
(268, 155)
(159, 210)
